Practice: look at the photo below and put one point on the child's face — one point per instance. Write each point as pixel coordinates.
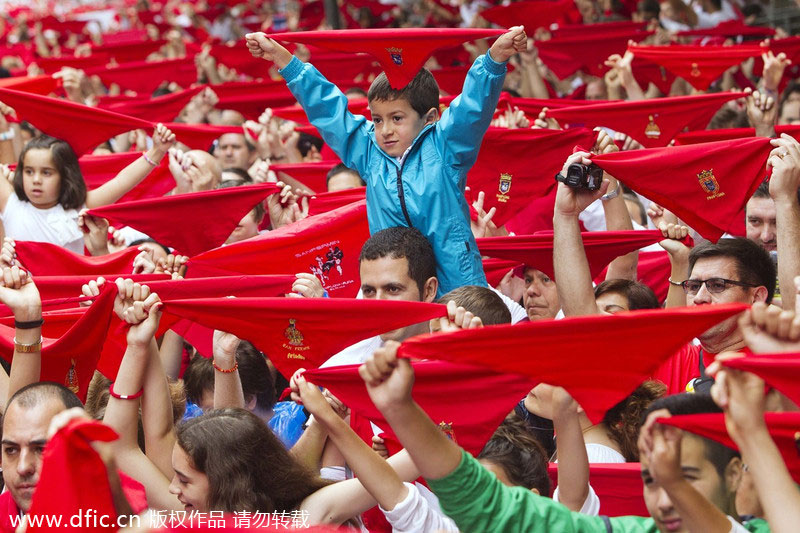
(396, 125)
(40, 179)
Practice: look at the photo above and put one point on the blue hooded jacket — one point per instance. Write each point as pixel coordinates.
(426, 191)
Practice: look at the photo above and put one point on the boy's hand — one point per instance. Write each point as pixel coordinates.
(508, 44)
(388, 379)
(262, 46)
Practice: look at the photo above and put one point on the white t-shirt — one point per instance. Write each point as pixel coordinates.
(25, 222)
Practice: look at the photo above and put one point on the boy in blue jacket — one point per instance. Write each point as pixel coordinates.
(415, 164)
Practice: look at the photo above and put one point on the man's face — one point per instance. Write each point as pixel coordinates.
(596, 90)
(718, 267)
(761, 221)
(790, 112)
(698, 471)
(541, 296)
(387, 278)
(24, 439)
(232, 151)
(396, 125)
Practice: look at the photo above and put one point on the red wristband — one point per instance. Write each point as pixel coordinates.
(124, 396)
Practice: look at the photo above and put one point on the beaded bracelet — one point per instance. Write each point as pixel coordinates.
(153, 163)
(234, 368)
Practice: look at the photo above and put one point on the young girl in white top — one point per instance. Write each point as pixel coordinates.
(48, 191)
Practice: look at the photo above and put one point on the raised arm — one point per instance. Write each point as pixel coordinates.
(19, 293)
(571, 267)
(783, 188)
(573, 462)
(678, 252)
(464, 123)
(138, 308)
(741, 397)
(157, 417)
(130, 176)
(324, 104)
(227, 384)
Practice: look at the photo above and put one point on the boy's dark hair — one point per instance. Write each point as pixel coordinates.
(422, 93)
(513, 448)
(338, 169)
(639, 295)
(753, 263)
(401, 242)
(253, 372)
(73, 188)
(481, 302)
(691, 404)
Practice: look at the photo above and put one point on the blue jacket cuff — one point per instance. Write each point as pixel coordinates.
(292, 70)
(492, 66)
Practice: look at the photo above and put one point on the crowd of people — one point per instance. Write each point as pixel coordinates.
(258, 272)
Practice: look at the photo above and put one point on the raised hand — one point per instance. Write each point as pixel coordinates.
(457, 318)
(388, 378)
(571, 202)
(306, 285)
(18, 292)
(510, 43)
(95, 233)
(262, 46)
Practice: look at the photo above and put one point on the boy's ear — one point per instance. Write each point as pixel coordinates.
(432, 115)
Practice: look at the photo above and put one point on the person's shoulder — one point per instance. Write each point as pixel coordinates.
(355, 354)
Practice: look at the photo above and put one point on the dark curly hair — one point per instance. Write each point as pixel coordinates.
(625, 419)
(260, 476)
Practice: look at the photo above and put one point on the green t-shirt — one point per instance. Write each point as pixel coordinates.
(479, 503)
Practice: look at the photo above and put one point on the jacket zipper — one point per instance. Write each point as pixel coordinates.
(400, 190)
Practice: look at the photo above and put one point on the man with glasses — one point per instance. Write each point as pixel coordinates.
(731, 271)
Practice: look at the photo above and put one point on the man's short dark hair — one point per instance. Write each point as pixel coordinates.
(691, 404)
(753, 263)
(422, 93)
(763, 191)
(481, 302)
(639, 295)
(727, 117)
(338, 169)
(37, 393)
(401, 242)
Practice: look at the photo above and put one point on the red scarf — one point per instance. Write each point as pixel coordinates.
(59, 118)
(74, 478)
(401, 52)
(30, 84)
(466, 401)
(200, 136)
(251, 97)
(780, 370)
(302, 332)
(503, 170)
(451, 79)
(124, 52)
(705, 185)
(602, 247)
(174, 220)
(495, 269)
(98, 169)
(565, 55)
(532, 13)
(45, 259)
(647, 72)
(698, 65)
(220, 287)
(146, 76)
(729, 28)
(326, 245)
(328, 201)
(70, 356)
(618, 485)
(584, 355)
(652, 122)
(782, 428)
(159, 109)
(312, 175)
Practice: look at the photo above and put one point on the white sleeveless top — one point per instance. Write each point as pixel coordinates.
(25, 222)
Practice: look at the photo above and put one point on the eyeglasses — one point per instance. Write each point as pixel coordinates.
(713, 285)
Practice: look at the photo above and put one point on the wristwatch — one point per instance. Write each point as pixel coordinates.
(28, 348)
(613, 194)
